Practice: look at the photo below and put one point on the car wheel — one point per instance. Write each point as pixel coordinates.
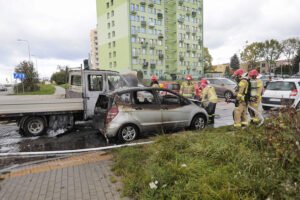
(34, 126)
(266, 107)
(228, 95)
(127, 133)
(198, 122)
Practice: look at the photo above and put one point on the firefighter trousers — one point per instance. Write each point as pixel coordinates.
(240, 114)
(254, 115)
(210, 109)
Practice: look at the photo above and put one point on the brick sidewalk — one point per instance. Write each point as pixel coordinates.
(85, 176)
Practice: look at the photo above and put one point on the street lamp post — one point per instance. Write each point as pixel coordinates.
(20, 40)
(36, 65)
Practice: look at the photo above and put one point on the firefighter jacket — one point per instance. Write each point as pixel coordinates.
(187, 90)
(242, 90)
(208, 94)
(155, 85)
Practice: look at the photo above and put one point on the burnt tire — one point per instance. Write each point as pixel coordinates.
(128, 133)
(34, 126)
(198, 122)
(228, 95)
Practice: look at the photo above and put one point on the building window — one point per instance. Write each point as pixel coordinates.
(137, 18)
(133, 61)
(150, 31)
(144, 51)
(142, 18)
(149, 10)
(108, 35)
(112, 13)
(137, 29)
(108, 25)
(115, 54)
(110, 64)
(113, 23)
(132, 18)
(159, 22)
(132, 7)
(142, 30)
(114, 43)
(113, 34)
(115, 64)
(137, 7)
(133, 39)
(107, 15)
(109, 45)
(111, 2)
(107, 5)
(151, 52)
(109, 55)
(158, 2)
(143, 8)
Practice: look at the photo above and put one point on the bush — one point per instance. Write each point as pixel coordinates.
(223, 163)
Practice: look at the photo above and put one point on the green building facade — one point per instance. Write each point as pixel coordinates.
(157, 37)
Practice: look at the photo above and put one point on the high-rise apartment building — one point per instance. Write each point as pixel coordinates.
(94, 49)
(158, 37)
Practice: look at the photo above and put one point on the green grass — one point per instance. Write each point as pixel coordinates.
(222, 163)
(44, 90)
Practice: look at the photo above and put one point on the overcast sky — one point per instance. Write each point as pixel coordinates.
(58, 30)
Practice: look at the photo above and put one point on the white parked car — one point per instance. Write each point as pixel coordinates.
(2, 88)
(280, 93)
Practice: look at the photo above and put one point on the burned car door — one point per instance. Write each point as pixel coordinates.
(175, 113)
(102, 106)
(147, 110)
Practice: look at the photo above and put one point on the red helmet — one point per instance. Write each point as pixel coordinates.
(203, 81)
(153, 78)
(238, 72)
(253, 73)
(188, 77)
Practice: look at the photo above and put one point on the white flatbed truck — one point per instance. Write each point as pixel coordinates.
(36, 114)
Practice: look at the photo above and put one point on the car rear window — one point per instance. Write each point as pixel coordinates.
(173, 87)
(281, 86)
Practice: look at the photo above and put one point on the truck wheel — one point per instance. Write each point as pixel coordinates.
(34, 126)
(127, 133)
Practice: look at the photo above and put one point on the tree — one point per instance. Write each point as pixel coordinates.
(207, 60)
(272, 50)
(60, 77)
(31, 80)
(252, 54)
(296, 62)
(234, 62)
(289, 49)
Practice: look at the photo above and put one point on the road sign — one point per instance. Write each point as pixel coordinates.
(19, 75)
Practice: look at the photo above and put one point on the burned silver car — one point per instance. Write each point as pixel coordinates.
(127, 113)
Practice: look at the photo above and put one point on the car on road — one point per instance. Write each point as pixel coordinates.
(171, 86)
(224, 87)
(130, 112)
(3, 88)
(280, 93)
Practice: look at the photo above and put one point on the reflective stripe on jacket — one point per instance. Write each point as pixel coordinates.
(187, 90)
(208, 94)
(242, 90)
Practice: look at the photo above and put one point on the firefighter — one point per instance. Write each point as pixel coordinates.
(241, 103)
(187, 89)
(209, 99)
(154, 82)
(256, 88)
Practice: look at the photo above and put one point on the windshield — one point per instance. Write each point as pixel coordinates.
(228, 82)
(116, 81)
(281, 86)
(173, 87)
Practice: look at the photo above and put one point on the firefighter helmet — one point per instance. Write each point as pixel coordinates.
(188, 77)
(153, 78)
(253, 74)
(238, 73)
(203, 81)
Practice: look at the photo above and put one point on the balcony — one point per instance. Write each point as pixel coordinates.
(180, 1)
(134, 33)
(160, 56)
(200, 59)
(152, 46)
(181, 39)
(188, 48)
(180, 19)
(151, 24)
(159, 15)
(187, 30)
(143, 23)
(144, 44)
(150, 3)
(194, 13)
(194, 49)
(132, 11)
(200, 42)
(181, 57)
(135, 55)
(160, 36)
(143, 2)
(152, 66)
(194, 31)
(145, 64)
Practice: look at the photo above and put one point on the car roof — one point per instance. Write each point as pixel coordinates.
(287, 80)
